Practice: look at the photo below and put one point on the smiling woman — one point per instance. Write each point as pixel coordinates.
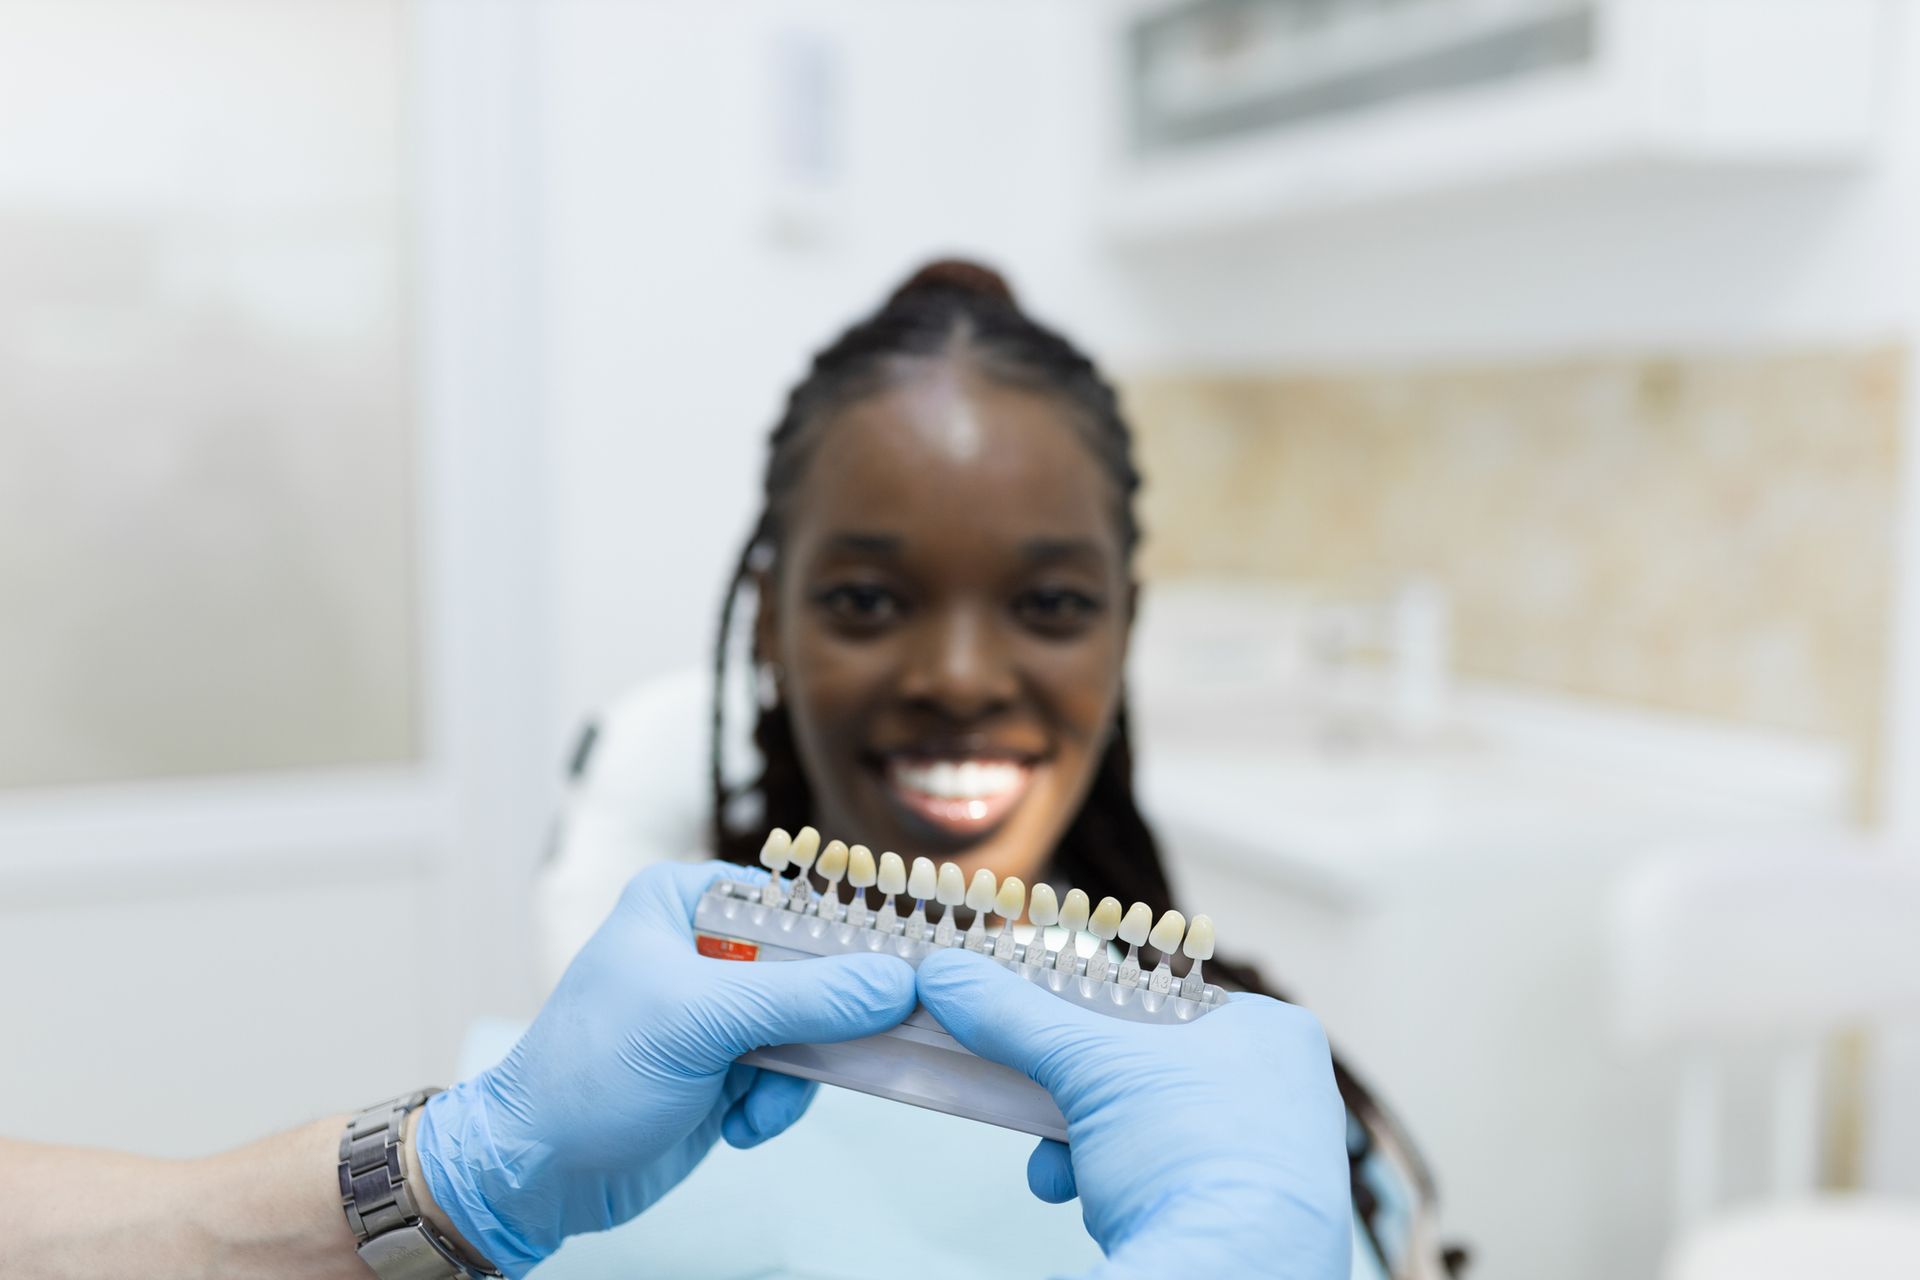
(943, 569)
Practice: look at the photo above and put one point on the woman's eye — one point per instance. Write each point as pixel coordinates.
(861, 604)
(1056, 609)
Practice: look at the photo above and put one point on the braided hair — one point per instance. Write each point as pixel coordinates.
(960, 310)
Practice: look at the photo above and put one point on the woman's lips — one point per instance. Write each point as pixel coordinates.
(963, 796)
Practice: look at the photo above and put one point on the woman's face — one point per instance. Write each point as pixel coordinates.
(949, 616)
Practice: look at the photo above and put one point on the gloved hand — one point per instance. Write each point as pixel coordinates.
(1214, 1148)
(627, 1075)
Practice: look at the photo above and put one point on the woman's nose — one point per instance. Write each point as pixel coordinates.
(960, 666)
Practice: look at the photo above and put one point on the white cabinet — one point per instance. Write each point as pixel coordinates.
(1237, 113)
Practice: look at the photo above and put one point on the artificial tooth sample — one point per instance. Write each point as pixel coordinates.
(1133, 932)
(773, 856)
(981, 892)
(950, 891)
(1199, 949)
(861, 874)
(832, 866)
(1008, 904)
(1073, 918)
(1165, 939)
(1104, 925)
(1043, 909)
(805, 845)
(921, 885)
(891, 879)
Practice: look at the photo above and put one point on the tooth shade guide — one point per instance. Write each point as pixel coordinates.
(982, 892)
(1165, 939)
(1137, 923)
(1167, 933)
(1043, 909)
(923, 1066)
(1074, 912)
(773, 853)
(773, 856)
(1199, 949)
(832, 867)
(923, 881)
(950, 887)
(862, 873)
(892, 875)
(1074, 917)
(1008, 903)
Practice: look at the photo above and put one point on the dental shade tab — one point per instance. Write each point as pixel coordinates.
(917, 1062)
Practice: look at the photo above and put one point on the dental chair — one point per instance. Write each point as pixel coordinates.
(1724, 953)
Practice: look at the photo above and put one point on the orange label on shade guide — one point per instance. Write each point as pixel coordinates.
(725, 948)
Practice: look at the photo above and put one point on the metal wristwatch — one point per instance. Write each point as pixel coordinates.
(394, 1240)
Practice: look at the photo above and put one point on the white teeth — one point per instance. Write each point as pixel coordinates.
(1012, 898)
(1106, 919)
(1199, 945)
(1073, 912)
(773, 854)
(1133, 929)
(833, 862)
(960, 780)
(951, 889)
(860, 869)
(1166, 935)
(1043, 909)
(920, 884)
(805, 845)
(981, 891)
(892, 878)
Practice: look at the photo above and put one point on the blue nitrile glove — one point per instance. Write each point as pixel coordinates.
(1212, 1148)
(627, 1075)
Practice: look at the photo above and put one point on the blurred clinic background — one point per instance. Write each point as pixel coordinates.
(1529, 674)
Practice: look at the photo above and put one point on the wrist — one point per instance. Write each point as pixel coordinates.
(471, 1190)
(424, 1200)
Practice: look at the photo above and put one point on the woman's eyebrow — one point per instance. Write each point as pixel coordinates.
(1053, 550)
(869, 544)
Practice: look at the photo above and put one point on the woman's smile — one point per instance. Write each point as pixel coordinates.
(959, 796)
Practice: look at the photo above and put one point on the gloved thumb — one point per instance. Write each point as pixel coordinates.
(814, 1001)
(1002, 1016)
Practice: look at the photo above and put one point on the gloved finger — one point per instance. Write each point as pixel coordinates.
(669, 891)
(739, 1079)
(768, 1110)
(806, 1001)
(1050, 1172)
(1002, 1016)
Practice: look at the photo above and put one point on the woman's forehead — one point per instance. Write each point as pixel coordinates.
(947, 455)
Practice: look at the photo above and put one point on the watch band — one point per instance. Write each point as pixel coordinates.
(394, 1240)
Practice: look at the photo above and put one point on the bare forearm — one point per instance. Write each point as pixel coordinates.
(272, 1208)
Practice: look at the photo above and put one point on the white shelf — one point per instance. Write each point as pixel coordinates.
(1788, 85)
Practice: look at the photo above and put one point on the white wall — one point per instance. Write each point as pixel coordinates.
(191, 963)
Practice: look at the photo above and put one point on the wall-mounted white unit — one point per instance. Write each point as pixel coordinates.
(1234, 113)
